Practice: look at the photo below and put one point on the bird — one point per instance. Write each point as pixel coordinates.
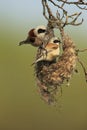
(35, 36)
(50, 52)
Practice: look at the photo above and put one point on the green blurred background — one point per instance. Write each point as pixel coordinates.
(20, 104)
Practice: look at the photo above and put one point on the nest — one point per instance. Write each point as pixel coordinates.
(51, 75)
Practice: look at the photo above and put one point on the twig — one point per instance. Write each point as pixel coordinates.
(74, 3)
(83, 50)
(60, 20)
(60, 7)
(84, 69)
(44, 10)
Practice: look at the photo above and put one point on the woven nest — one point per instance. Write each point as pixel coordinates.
(51, 75)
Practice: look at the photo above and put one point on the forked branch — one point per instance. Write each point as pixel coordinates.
(62, 17)
(77, 3)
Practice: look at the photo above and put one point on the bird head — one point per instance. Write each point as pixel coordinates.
(55, 40)
(40, 31)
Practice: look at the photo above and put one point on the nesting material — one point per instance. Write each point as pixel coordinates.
(51, 75)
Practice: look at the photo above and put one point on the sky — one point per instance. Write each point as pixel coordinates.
(22, 11)
(19, 16)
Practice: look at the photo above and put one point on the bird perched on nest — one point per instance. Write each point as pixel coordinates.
(35, 36)
(50, 52)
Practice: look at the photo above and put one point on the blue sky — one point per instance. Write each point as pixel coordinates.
(20, 10)
(24, 14)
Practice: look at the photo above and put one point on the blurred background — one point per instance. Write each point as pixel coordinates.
(20, 104)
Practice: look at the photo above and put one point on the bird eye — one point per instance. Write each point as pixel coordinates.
(56, 41)
(41, 30)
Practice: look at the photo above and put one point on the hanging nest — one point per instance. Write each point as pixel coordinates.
(51, 75)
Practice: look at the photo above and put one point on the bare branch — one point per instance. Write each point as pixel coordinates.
(61, 19)
(84, 69)
(60, 7)
(83, 50)
(51, 16)
(44, 10)
(78, 3)
(63, 3)
(74, 20)
(83, 8)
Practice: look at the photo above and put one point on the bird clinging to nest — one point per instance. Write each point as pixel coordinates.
(50, 52)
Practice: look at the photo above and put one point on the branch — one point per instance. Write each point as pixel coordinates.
(76, 15)
(84, 69)
(77, 3)
(44, 10)
(83, 50)
(60, 7)
(61, 19)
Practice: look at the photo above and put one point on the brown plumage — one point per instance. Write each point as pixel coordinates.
(35, 36)
(50, 51)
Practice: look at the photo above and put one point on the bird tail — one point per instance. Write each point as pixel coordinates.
(27, 41)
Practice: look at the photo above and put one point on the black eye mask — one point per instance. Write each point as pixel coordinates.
(41, 30)
(57, 41)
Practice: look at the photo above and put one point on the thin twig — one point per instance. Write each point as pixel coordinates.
(83, 50)
(44, 10)
(72, 2)
(84, 69)
(60, 7)
(60, 20)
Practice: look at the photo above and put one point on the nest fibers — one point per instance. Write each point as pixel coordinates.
(51, 75)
